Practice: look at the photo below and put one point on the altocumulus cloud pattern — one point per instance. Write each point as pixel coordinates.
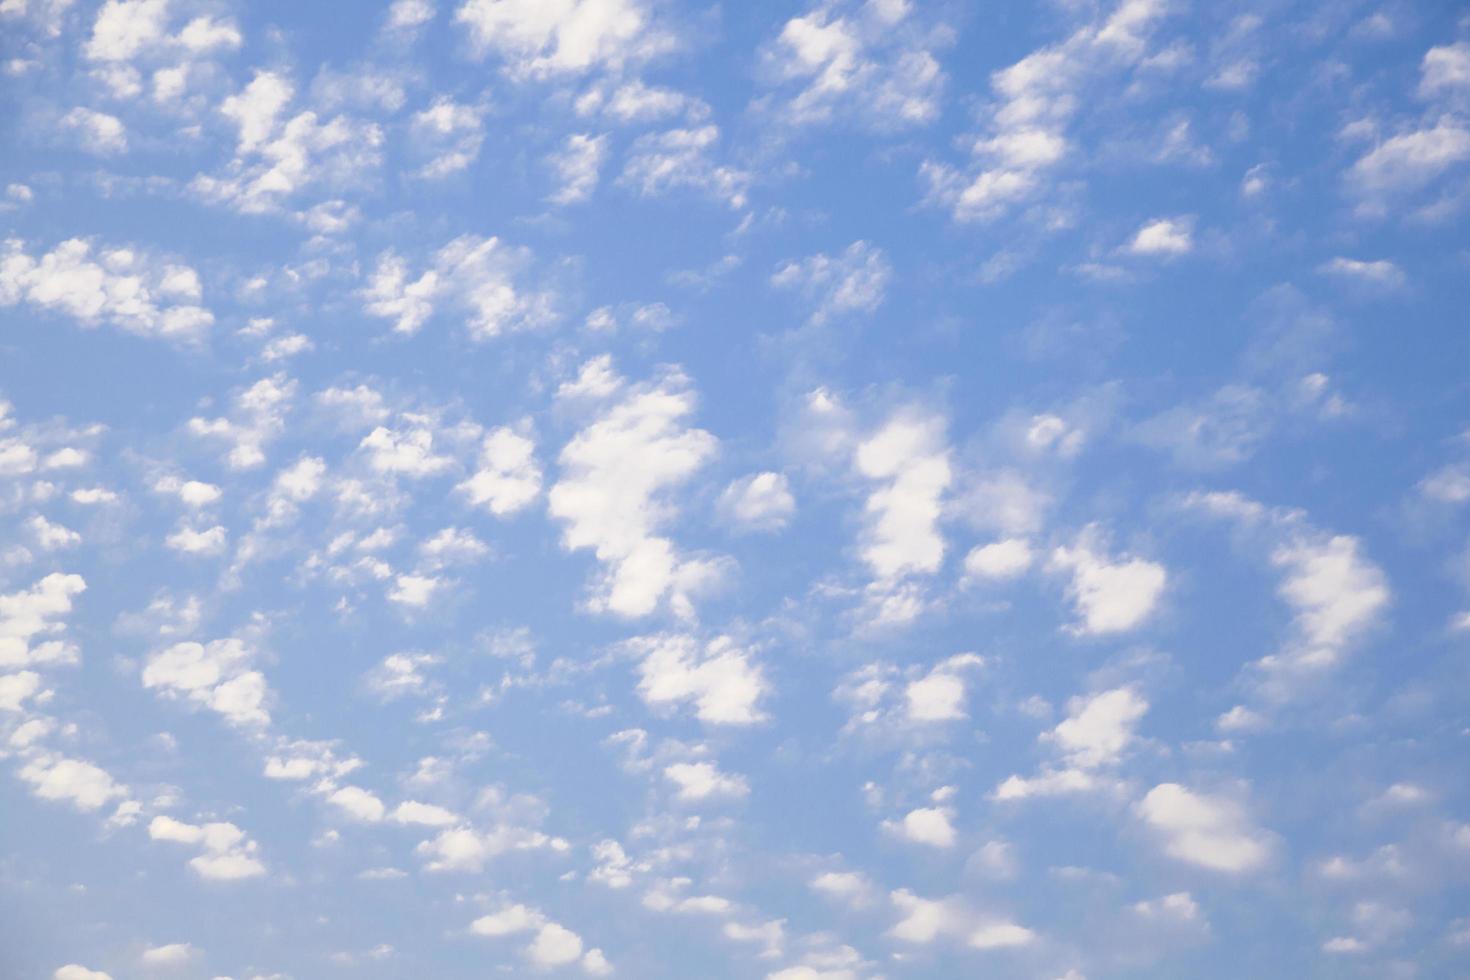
(807, 491)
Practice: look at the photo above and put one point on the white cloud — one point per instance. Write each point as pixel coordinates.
(679, 159)
(401, 674)
(616, 474)
(720, 680)
(930, 826)
(759, 502)
(191, 541)
(121, 287)
(634, 101)
(853, 282)
(259, 416)
(998, 560)
(1111, 595)
(407, 453)
(1097, 731)
(1449, 485)
(560, 37)
(1409, 161)
(213, 675)
(38, 611)
(226, 853)
(125, 27)
(551, 945)
(870, 63)
(508, 478)
(1000, 935)
(1445, 69)
(1337, 593)
(452, 546)
(168, 955)
(1379, 272)
(1052, 782)
(926, 920)
(97, 132)
(419, 814)
(358, 803)
(72, 971)
(15, 689)
(1209, 831)
(450, 134)
(477, 276)
(466, 849)
(405, 15)
(703, 780)
(851, 887)
(279, 156)
(74, 781)
(1035, 101)
(910, 456)
(1099, 727)
(52, 537)
(1163, 236)
(414, 590)
(940, 694)
(576, 168)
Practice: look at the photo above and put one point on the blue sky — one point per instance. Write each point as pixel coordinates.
(804, 491)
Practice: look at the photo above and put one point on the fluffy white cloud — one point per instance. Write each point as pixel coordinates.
(1035, 102)
(96, 132)
(576, 167)
(508, 478)
(1163, 236)
(74, 781)
(280, 155)
(480, 277)
(909, 455)
(853, 282)
(213, 675)
(1099, 727)
(926, 920)
(73, 971)
(1209, 831)
(38, 611)
(759, 502)
(167, 955)
(121, 287)
(258, 417)
(940, 694)
(1112, 595)
(930, 826)
(680, 159)
(703, 780)
(449, 133)
(1097, 731)
(1411, 160)
(1002, 559)
(466, 849)
(720, 679)
(869, 63)
(52, 537)
(557, 37)
(227, 854)
(358, 803)
(1379, 272)
(1338, 596)
(551, 944)
(194, 541)
(1445, 69)
(612, 494)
